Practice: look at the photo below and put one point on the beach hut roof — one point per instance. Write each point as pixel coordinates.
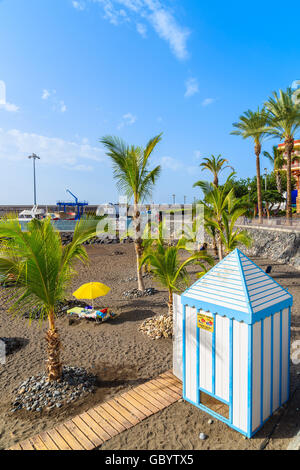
(238, 288)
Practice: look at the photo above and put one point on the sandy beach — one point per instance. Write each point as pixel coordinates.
(122, 357)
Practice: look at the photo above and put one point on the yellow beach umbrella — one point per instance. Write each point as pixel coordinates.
(91, 291)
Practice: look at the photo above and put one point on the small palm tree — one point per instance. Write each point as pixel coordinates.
(285, 123)
(168, 269)
(43, 269)
(133, 176)
(215, 165)
(253, 124)
(277, 162)
(217, 201)
(230, 237)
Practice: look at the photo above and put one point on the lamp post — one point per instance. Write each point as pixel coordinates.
(249, 190)
(174, 197)
(34, 157)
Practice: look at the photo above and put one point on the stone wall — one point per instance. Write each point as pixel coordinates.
(277, 244)
(101, 240)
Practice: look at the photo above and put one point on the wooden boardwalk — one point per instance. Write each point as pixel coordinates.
(89, 430)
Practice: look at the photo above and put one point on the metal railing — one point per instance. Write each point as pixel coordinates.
(272, 222)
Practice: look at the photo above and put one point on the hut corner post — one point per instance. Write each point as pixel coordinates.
(177, 337)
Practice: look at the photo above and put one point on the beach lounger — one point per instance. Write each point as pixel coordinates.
(99, 316)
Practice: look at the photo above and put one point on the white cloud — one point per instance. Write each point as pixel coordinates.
(155, 13)
(170, 163)
(192, 87)
(5, 105)
(197, 154)
(78, 5)
(10, 107)
(208, 101)
(57, 105)
(46, 94)
(16, 145)
(127, 120)
(168, 29)
(141, 29)
(82, 168)
(63, 107)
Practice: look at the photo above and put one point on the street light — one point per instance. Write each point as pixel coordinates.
(249, 190)
(174, 196)
(184, 200)
(34, 157)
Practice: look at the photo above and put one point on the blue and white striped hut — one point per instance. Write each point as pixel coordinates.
(232, 343)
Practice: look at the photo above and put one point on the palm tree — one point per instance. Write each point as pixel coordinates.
(284, 123)
(168, 269)
(217, 202)
(215, 165)
(206, 187)
(277, 162)
(131, 170)
(253, 124)
(230, 237)
(43, 269)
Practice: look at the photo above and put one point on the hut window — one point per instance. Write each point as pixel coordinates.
(214, 405)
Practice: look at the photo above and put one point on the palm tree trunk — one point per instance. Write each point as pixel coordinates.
(138, 246)
(219, 239)
(215, 247)
(278, 181)
(170, 303)
(54, 366)
(259, 198)
(267, 210)
(220, 249)
(289, 148)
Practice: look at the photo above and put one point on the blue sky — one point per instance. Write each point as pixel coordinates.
(75, 71)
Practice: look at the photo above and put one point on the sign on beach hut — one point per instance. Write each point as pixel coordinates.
(232, 343)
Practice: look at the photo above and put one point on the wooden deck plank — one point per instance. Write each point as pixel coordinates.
(152, 396)
(58, 440)
(143, 401)
(37, 442)
(146, 412)
(101, 433)
(89, 433)
(129, 416)
(68, 437)
(166, 382)
(79, 435)
(170, 374)
(15, 447)
(26, 445)
(171, 380)
(49, 443)
(165, 387)
(109, 418)
(90, 429)
(109, 430)
(120, 418)
(165, 397)
(141, 416)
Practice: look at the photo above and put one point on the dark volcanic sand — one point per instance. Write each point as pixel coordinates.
(122, 357)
